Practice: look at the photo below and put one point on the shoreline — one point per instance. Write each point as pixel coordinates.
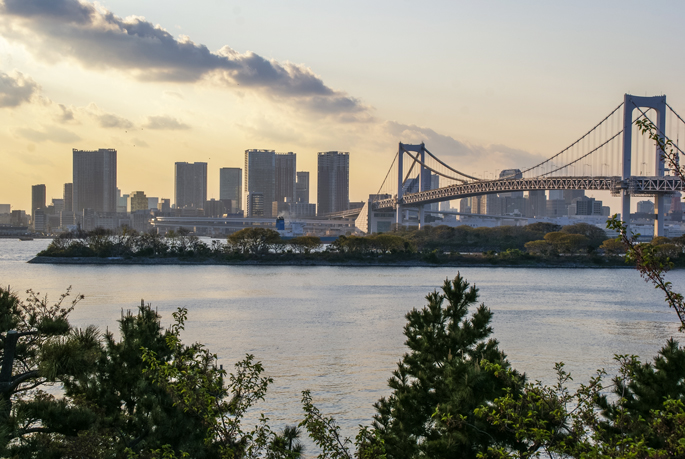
(351, 264)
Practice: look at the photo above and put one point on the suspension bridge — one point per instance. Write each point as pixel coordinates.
(612, 156)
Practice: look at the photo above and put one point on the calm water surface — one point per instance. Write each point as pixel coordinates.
(338, 331)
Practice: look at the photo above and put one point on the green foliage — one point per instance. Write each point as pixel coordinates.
(644, 419)
(595, 236)
(613, 247)
(253, 240)
(541, 247)
(197, 389)
(325, 433)
(38, 348)
(442, 380)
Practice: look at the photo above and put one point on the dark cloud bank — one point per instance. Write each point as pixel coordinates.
(60, 28)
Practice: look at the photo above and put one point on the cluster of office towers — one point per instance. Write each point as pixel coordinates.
(269, 186)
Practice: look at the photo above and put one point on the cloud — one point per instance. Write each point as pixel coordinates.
(470, 157)
(165, 123)
(109, 120)
(55, 29)
(49, 133)
(15, 89)
(65, 114)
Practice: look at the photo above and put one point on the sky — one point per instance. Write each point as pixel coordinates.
(486, 85)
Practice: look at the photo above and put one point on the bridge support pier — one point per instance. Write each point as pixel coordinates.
(625, 209)
(421, 215)
(398, 216)
(659, 213)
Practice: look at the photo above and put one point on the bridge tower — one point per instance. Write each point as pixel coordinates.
(424, 176)
(630, 103)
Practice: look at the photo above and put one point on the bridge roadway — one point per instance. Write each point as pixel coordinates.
(635, 186)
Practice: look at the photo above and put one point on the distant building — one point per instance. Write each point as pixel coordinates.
(285, 176)
(231, 188)
(537, 204)
(68, 197)
(40, 222)
(37, 198)
(333, 188)
(302, 188)
(95, 180)
(5, 208)
(556, 208)
(190, 185)
(302, 210)
(465, 205)
(556, 194)
(164, 205)
(260, 179)
(214, 208)
(570, 195)
(256, 205)
(138, 201)
(152, 203)
(645, 207)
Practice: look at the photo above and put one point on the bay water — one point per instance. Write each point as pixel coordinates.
(337, 331)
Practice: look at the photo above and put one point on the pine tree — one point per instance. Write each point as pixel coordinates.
(444, 377)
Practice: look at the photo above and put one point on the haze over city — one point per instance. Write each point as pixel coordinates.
(488, 86)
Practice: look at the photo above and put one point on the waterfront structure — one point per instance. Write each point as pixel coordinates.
(190, 185)
(285, 177)
(37, 198)
(260, 179)
(333, 188)
(94, 180)
(302, 188)
(231, 188)
(138, 201)
(68, 196)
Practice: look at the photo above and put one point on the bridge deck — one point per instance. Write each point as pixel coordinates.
(634, 186)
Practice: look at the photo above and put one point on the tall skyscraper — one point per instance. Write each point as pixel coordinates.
(190, 185)
(302, 188)
(37, 198)
(68, 197)
(95, 180)
(231, 187)
(333, 190)
(286, 177)
(260, 178)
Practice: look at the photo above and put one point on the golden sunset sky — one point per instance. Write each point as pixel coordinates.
(487, 85)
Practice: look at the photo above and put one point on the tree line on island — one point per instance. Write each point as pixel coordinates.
(146, 394)
(531, 243)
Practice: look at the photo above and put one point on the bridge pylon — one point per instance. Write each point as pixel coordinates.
(630, 103)
(423, 177)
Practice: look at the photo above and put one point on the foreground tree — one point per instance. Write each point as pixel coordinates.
(443, 379)
(644, 417)
(39, 349)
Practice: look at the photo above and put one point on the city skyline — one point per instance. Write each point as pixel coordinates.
(499, 85)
